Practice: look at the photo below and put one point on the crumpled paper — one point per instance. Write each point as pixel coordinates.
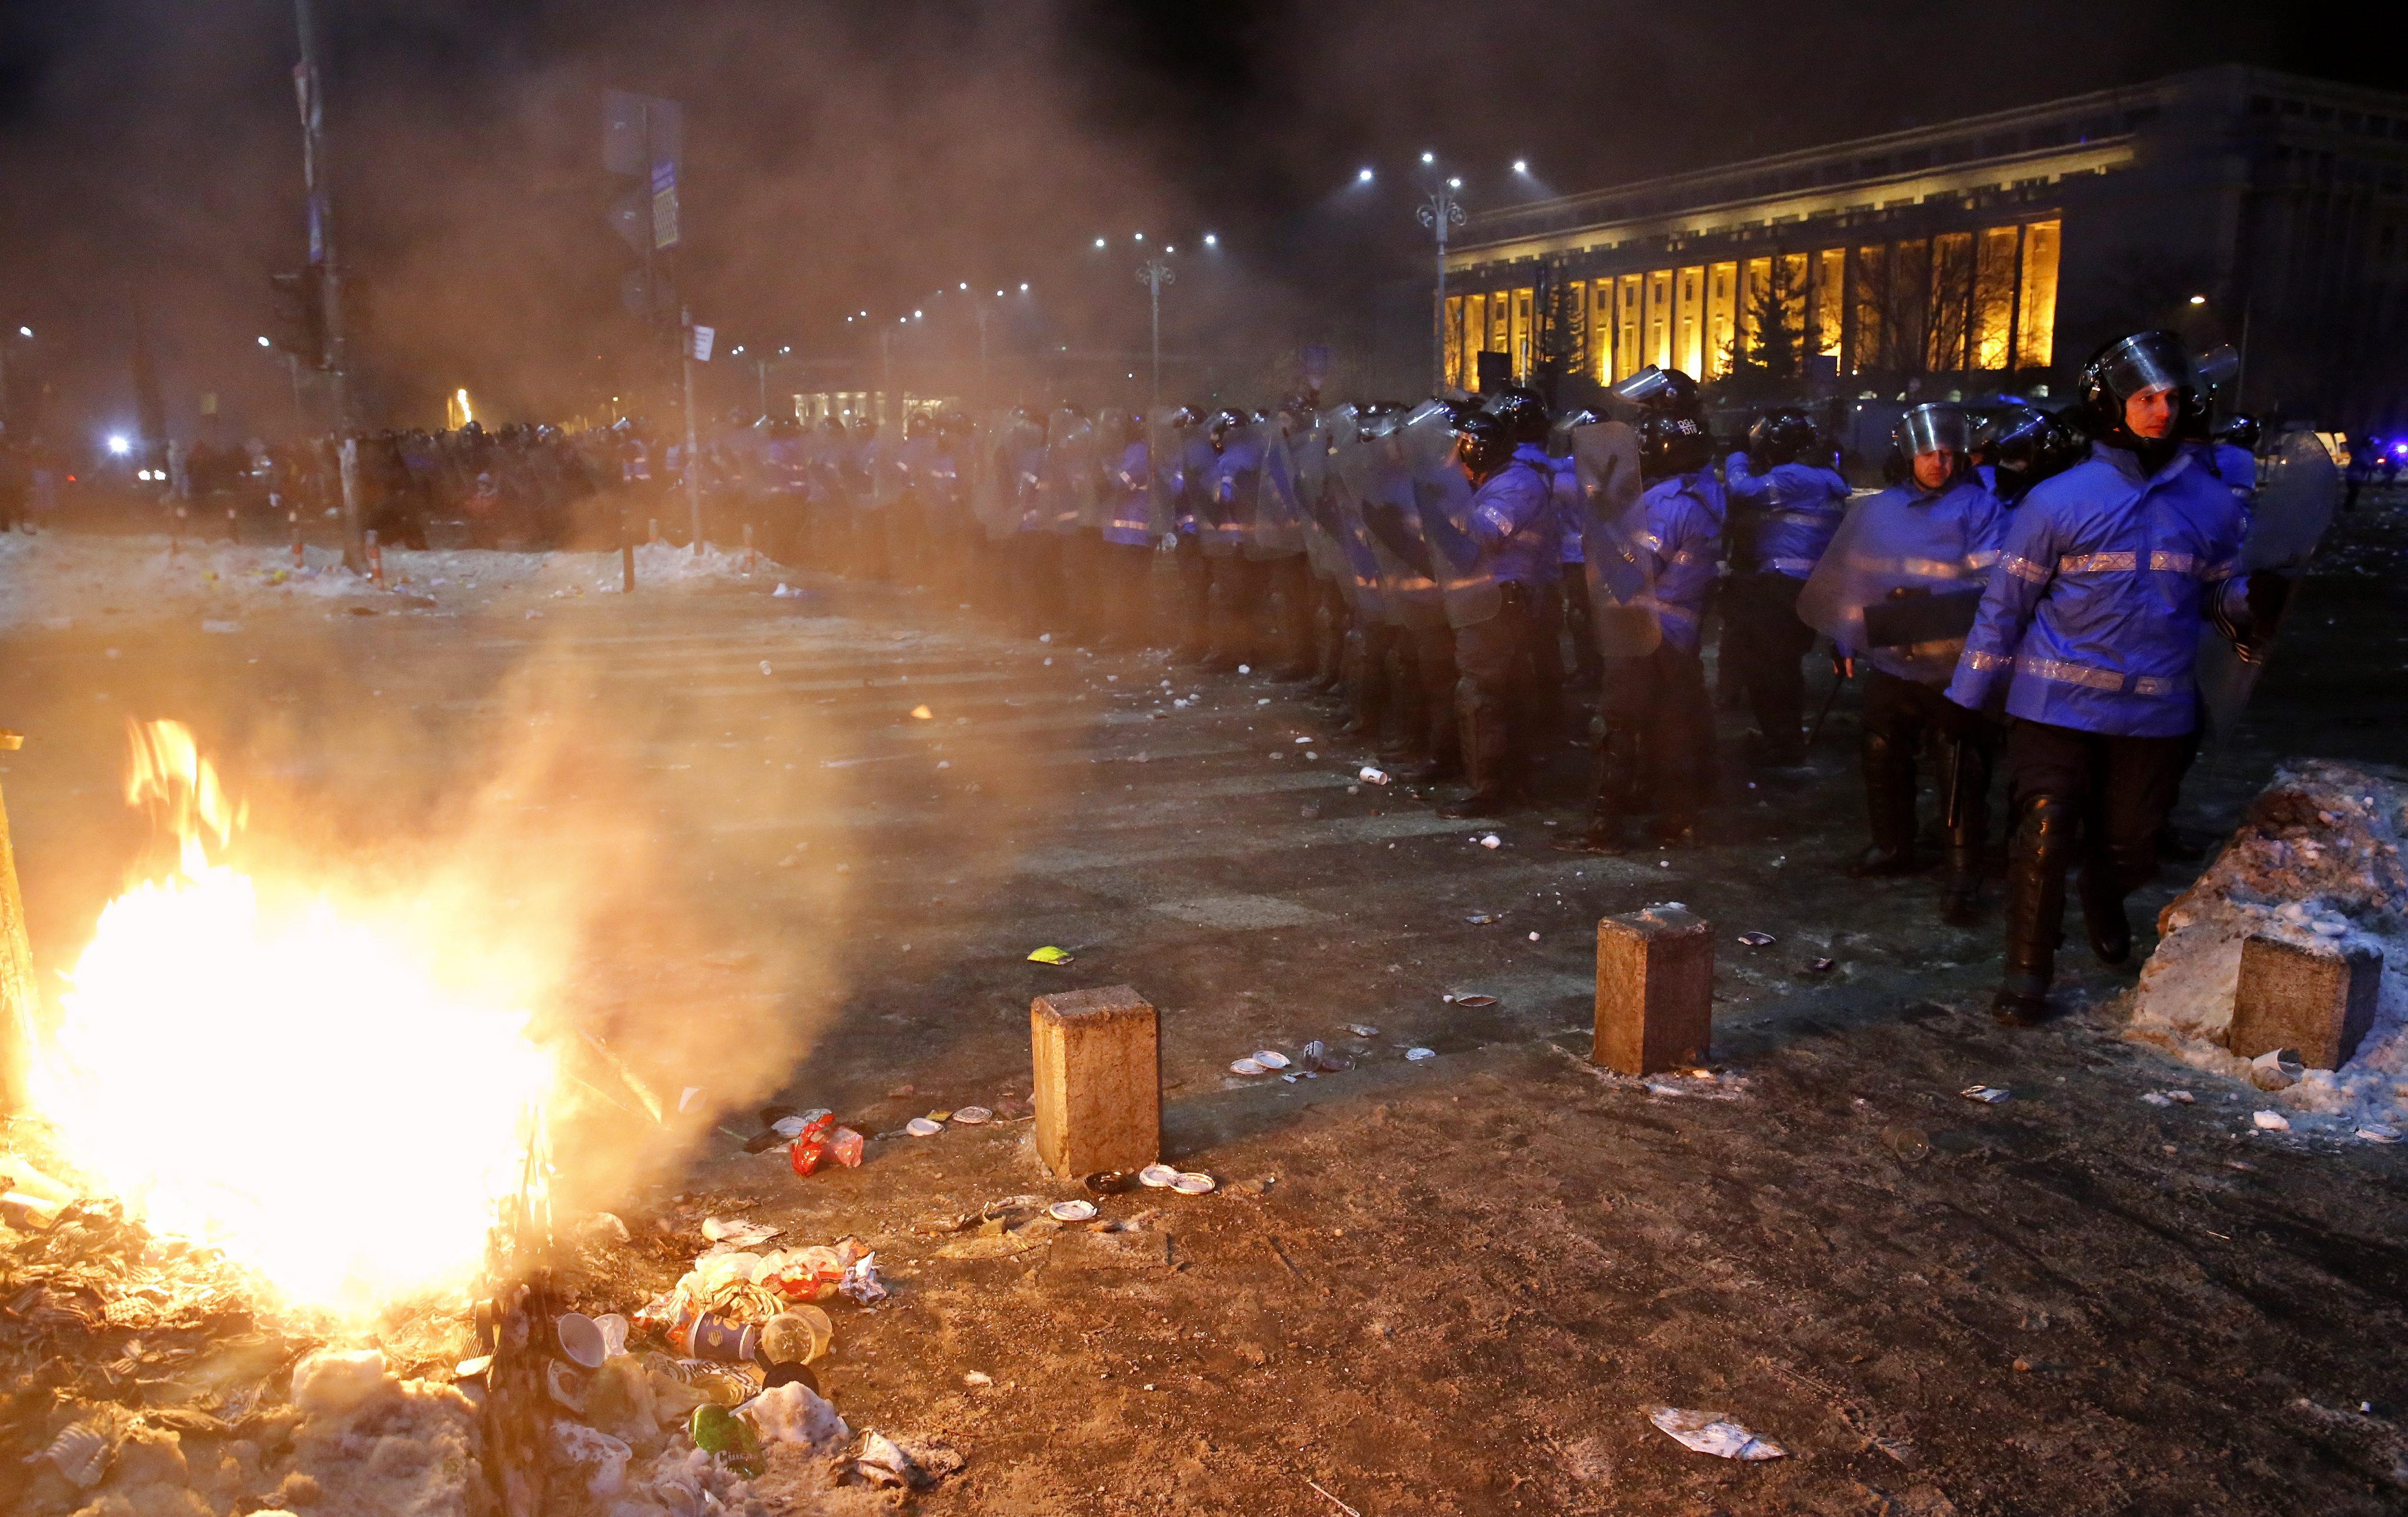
(1711, 1432)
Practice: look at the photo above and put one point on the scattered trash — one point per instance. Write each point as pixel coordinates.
(2272, 1122)
(1823, 966)
(1370, 776)
(1492, 841)
(1107, 1183)
(1482, 919)
(1316, 1058)
(1362, 1029)
(920, 713)
(978, 1380)
(2179, 1097)
(1072, 1212)
(1156, 1175)
(581, 1338)
(723, 1436)
(1910, 1144)
(1249, 1066)
(1472, 1001)
(1341, 1506)
(765, 668)
(785, 591)
(883, 1461)
(972, 1116)
(2378, 1132)
(1709, 1432)
(794, 1414)
(1050, 955)
(743, 1234)
(1193, 1182)
(80, 1453)
(1269, 1060)
(923, 1128)
(2277, 1069)
(1418, 1054)
(2156, 1098)
(1758, 939)
(1987, 1094)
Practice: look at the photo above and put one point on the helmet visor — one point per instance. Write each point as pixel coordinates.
(1927, 429)
(2146, 362)
(1643, 386)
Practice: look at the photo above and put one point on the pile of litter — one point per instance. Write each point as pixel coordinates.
(2317, 860)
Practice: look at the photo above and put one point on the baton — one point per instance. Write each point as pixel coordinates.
(1815, 731)
(1955, 779)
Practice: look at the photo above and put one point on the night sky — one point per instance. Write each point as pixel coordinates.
(843, 157)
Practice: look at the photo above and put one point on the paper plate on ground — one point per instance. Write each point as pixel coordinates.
(1156, 1175)
(970, 1116)
(923, 1128)
(1269, 1060)
(1072, 1212)
(1194, 1182)
(1250, 1067)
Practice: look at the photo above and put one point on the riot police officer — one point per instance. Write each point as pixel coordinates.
(2088, 634)
(1510, 526)
(2021, 446)
(1786, 502)
(1659, 742)
(1897, 593)
(1127, 548)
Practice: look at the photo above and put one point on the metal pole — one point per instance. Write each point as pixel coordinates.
(2241, 368)
(761, 367)
(1442, 211)
(321, 211)
(986, 389)
(692, 474)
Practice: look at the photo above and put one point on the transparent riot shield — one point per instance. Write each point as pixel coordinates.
(1393, 532)
(1279, 501)
(1442, 494)
(1620, 571)
(2293, 508)
(1885, 586)
(1069, 474)
(882, 460)
(1323, 530)
(1234, 482)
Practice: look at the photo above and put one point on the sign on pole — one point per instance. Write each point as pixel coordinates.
(665, 206)
(702, 335)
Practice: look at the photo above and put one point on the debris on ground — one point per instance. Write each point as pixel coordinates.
(1711, 1433)
(2317, 860)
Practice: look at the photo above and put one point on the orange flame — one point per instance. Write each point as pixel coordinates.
(297, 1089)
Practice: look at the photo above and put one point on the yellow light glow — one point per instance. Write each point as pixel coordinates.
(295, 1088)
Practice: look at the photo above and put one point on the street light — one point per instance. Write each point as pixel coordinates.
(264, 343)
(1521, 166)
(1362, 175)
(1153, 274)
(119, 446)
(1212, 239)
(1440, 211)
(2199, 300)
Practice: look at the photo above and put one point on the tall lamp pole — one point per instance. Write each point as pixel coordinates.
(1440, 212)
(1153, 274)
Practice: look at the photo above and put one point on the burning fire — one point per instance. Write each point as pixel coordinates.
(293, 1088)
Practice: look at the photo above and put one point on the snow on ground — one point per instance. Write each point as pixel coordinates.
(57, 578)
(2317, 858)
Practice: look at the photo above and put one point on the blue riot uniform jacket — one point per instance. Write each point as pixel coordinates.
(1512, 519)
(1680, 531)
(2093, 617)
(1796, 507)
(1128, 485)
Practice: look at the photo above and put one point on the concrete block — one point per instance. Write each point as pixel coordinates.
(1098, 1080)
(1655, 989)
(2317, 997)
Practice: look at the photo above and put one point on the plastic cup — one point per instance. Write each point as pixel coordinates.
(582, 1339)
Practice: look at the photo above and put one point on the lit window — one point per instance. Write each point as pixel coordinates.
(1994, 297)
(1830, 292)
(1688, 317)
(2036, 310)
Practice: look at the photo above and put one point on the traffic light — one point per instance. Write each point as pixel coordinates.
(299, 324)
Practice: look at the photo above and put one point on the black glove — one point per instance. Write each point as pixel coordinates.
(2268, 593)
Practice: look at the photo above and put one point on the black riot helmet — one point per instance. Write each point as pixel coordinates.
(953, 424)
(1784, 436)
(1665, 391)
(2025, 445)
(1482, 444)
(919, 426)
(1185, 416)
(1218, 428)
(1523, 414)
(2242, 431)
(1671, 445)
(1133, 428)
(1559, 437)
(2135, 365)
(1930, 427)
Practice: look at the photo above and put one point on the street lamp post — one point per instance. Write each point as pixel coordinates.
(1440, 212)
(1156, 273)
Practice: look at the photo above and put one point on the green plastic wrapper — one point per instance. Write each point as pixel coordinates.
(723, 1436)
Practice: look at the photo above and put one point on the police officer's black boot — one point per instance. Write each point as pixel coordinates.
(1960, 902)
(2035, 907)
(2103, 902)
(1617, 787)
(1889, 805)
(1487, 757)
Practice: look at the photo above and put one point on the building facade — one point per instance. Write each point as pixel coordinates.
(1985, 254)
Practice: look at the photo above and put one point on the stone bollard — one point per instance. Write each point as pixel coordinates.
(2316, 998)
(1098, 1080)
(1655, 989)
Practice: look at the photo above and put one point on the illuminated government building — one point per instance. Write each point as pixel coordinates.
(1989, 253)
